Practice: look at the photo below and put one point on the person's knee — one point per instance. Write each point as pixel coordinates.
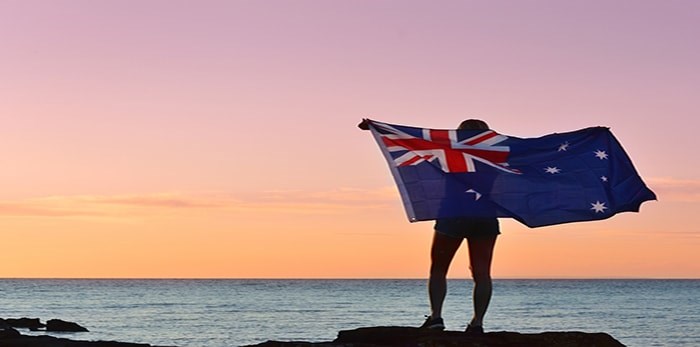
(438, 270)
(481, 276)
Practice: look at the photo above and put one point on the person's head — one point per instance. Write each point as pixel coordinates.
(473, 124)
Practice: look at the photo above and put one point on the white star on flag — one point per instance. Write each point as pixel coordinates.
(598, 207)
(552, 170)
(604, 178)
(601, 154)
(564, 146)
(477, 195)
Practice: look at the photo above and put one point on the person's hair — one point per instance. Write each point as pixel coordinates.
(473, 124)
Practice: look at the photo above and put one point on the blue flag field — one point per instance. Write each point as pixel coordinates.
(581, 175)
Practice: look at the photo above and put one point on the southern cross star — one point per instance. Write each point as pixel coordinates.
(598, 207)
(552, 170)
(564, 146)
(477, 195)
(604, 178)
(601, 154)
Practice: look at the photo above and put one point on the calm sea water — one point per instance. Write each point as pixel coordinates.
(237, 312)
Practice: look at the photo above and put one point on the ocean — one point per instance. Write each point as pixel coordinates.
(216, 313)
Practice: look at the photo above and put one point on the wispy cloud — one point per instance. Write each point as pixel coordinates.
(32, 208)
(164, 200)
(675, 189)
(340, 200)
(333, 201)
(104, 205)
(291, 201)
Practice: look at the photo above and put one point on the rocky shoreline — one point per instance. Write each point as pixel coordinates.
(11, 337)
(410, 337)
(361, 337)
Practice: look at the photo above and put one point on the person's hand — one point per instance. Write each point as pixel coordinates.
(364, 125)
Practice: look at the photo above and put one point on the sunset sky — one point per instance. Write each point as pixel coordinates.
(218, 139)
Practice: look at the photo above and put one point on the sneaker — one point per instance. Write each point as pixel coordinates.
(434, 324)
(474, 330)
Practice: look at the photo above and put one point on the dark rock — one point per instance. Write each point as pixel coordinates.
(8, 332)
(60, 325)
(24, 323)
(12, 338)
(50, 341)
(409, 337)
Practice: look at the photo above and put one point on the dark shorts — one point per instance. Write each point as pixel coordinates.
(468, 227)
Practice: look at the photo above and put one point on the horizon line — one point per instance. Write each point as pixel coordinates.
(341, 278)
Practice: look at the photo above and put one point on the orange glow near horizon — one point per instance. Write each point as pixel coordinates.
(341, 234)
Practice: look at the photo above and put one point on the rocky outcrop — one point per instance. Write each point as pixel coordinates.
(18, 340)
(60, 325)
(28, 323)
(409, 337)
(35, 324)
(7, 332)
(10, 337)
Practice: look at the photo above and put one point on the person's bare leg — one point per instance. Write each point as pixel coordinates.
(442, 251)
(480, 255)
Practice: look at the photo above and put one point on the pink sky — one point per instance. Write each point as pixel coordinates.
(218, 138)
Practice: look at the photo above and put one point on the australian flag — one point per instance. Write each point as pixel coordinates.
(559, 178)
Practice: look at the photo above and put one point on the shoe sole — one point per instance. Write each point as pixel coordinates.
(435, 327)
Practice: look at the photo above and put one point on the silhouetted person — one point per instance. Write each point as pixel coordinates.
(481, 234)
